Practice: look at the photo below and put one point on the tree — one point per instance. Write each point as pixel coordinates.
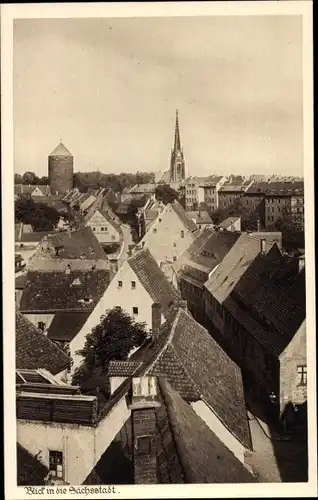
(40, 216)
(43, 181)
(17, 179)
(30, 178)
(113, 339)
(166, 194)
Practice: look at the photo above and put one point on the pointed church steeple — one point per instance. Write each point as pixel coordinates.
(177, 165)
(177, 142)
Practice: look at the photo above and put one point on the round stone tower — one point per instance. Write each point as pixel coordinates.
(60, 166)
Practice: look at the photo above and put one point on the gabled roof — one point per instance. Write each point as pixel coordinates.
(66, 325)
(34, 350)
(35, 236)
(61, 150)
(200, 216)
(196, 366)
(187, 450)
(58, 291)
(142, 188)
(226, 223)
(181, 213)
(270, 300)
(81, 243)
(111, 220)
(236, 262)
(29, 188)
(153, 279)
(207, 251)
(201, 456)
(30, 471)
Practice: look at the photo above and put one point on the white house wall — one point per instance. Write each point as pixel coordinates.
(97, 222)
(76, 442)
(124, 297)
(216, 426)
(162, 236)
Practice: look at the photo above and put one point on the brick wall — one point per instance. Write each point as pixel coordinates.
(145, 463)
(60, 174)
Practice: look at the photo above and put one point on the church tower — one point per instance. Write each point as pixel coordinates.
(177, 165)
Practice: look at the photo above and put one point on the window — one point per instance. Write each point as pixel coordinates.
(159, 220)
(154, 230)
(120, 284)
(41, 326)
(56, 463)
(133, 285)
(174, 258)
(102, 229)
(302, 375)
(135, 310)
(113, 237)
(182, 234)
(174, 245)
(143, 445)
(94, 228)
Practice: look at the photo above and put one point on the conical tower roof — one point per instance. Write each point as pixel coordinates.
(61, 150)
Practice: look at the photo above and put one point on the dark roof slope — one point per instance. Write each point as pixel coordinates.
(65, 325)
(31, 472)
(208, 250)
(236, 262)
(153, 279)
(202, 456)
(34, 350)
(61, 150)
(228, 222)
(78, 244)
(35, 236)
(181, 213)
(270, 300)
(197, 368)
(58, 291)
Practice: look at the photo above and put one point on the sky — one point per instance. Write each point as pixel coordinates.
(109, 88)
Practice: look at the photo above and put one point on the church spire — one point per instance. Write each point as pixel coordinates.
(177, 165)
(177, 142)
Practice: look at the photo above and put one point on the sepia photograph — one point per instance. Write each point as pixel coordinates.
(161, 206)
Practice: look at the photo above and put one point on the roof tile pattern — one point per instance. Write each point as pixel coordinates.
(153, 279)
(78, 244)
(181, 213)
(34, 350)
(65, 325)
(59, 291)
(195, 365)
(235, 263)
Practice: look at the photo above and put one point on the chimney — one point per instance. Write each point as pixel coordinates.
(301, 263)
(179, 304)
(144, 402)
(155, 318)
(263, 246)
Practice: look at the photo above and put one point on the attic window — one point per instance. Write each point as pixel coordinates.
(76, 282)
(143, 445)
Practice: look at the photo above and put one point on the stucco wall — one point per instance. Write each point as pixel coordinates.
(76, 442)
(36, 318)
(219, 429)
(124, 297)
(294, 355)
(164, 237)
(115, 382)
(97, 222)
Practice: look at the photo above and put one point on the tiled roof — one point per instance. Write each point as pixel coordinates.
(34, 236)
(123, 208)
(65, 325)
(228, 222)
(28, 189)
(232, 188)
(30, 471)
(200, 216)
(150, 214)
(153, 279)
(235, 263)
(143, 188)
(61, 150)
(202, 457)
(181, 213)
(20, 281)
(58, 291)
(270, 300)
(196, 366)
(207, 251)
(187, 450)
(81, 243)
(34, 350)
(122, 368)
